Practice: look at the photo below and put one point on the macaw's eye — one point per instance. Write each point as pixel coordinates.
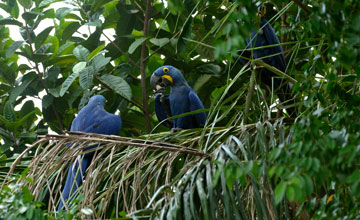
(166, 70)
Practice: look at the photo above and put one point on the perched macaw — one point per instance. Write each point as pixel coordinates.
(182, 99)
(266, 36)
(91, 119)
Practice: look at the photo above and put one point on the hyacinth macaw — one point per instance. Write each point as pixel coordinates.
(182, 99)
(266, 36)
(91, 119)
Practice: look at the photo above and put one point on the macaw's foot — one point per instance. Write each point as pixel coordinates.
(173, 130)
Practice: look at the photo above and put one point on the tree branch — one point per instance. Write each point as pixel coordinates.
(142, 69)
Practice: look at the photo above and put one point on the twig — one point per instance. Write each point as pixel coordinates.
(142, 69)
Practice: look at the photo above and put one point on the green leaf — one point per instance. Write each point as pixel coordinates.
(18, 90)
(135, 44)
(47, 2)
(25, 3)
(118, 84)
(9, 21)
(47, 100)
(40, 38)
(99, 61)
(160, 42)
(96, 51)
(86, 77)
(67, 83)
(14, 46)
(280, 192)
(79, 67)
(96, 23)
(81, 53)
(209, 68)
(28, 16)
(70, 30)
(9, 112)
(61, 12)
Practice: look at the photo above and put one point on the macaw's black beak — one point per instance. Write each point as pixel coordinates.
(163, 81)
(154, 80)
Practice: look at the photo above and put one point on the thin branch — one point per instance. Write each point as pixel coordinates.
(142, 69)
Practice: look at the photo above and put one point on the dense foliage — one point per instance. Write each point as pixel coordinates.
(261, 166)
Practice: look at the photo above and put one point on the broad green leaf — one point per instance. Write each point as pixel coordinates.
(47, 2)
(47, 100)
(96, 51)
(99, 61)
(40, 38)
(79, 67)
(67, 83)
(9, 112)
(96, 23)
(70, 30)
(18, 123)
(160, 42)
(118, 84)
(13, 48)
(61, 12)
(28, 16)
(280, 192)
(16, 91)
(135, 44)
(25, 3)
(86, 77)
(209, 68)
(9, 21)
(81, 53)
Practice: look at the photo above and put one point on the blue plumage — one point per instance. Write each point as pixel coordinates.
(91, 119)
(182, 99)
(271, 55)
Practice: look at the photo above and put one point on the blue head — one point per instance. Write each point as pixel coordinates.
(99, 99)
(168, 75)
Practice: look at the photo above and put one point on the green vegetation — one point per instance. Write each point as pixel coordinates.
(240, 166)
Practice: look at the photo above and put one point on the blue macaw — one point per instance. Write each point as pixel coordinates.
(266, 36)
(91, 119)
(182, 99)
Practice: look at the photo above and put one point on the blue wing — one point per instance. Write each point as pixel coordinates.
(277, 61)
(90, 120)
(71, 185)
(162, 111)
(196, 104)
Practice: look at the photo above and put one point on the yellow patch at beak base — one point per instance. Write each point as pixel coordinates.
(168, 78)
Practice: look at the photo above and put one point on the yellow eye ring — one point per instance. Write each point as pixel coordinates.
(166, 70)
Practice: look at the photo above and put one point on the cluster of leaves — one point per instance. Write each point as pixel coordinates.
(17, 202)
